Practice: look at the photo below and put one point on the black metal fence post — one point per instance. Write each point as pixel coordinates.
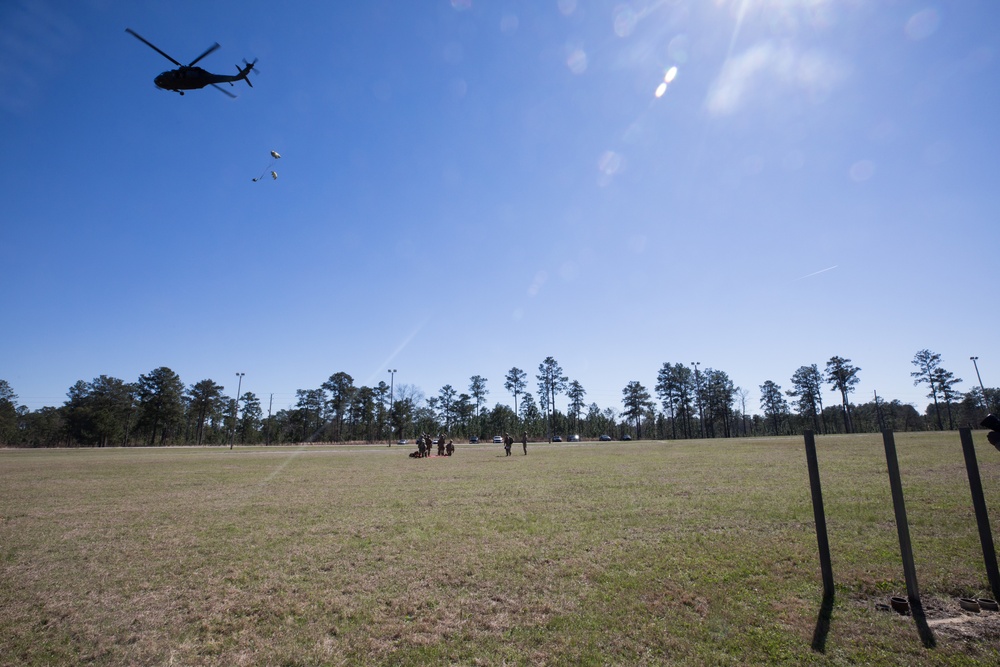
(906, 551)
(902, 526)
(819, 514)
(979, 504)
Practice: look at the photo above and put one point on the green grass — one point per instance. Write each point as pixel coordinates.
(694, 552)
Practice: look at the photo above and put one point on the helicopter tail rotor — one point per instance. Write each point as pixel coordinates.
(244, 72)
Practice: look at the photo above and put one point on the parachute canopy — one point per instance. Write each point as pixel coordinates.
(274, 175)
(275, 155)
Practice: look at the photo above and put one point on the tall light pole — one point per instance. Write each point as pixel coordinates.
(697, 395)
(392, 377)
(980, 378)
(236, 408)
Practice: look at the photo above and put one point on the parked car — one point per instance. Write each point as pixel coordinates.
(626, 437)
(401, 442)
(574, 438)
(474, 439)
(498, 440)
(557, 438)
(605, 438)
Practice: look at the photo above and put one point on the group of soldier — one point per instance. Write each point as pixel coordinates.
(425, 446)
(508, 440)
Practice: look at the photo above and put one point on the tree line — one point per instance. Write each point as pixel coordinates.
(693, 402)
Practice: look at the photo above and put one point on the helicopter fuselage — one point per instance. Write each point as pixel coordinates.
(191, 78)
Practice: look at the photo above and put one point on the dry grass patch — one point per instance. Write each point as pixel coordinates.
(699, 552)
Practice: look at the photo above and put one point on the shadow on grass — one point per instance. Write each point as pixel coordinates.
(823, 624)
(923, 629)
(826, 611)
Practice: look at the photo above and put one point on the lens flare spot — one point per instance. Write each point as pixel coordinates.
(610, 163)
(753, 165)
(625, 21)
(793, 160)
(668, 78)
(461, 5)
(937, 153)
(862, 170)
(637, 243)
(678, 48)
(576, 61)
(569, 271)
(453, 53)
(536, 285)
(922, 25)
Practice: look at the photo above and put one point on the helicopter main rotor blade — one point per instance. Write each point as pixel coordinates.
(207, 51)
(153, 46)
(222, 90)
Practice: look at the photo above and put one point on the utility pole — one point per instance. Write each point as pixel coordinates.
(270, 402)
(979, 377)
(392, 378)
(236, 408)
(878, 411)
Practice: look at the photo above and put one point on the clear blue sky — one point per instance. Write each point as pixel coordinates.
(467, 186)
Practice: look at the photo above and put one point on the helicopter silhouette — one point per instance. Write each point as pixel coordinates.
(189, 77)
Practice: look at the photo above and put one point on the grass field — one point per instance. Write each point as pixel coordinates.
(642, 553)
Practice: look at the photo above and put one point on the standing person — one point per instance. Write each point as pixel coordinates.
(524, 441)
(507, 442)
(420, 446)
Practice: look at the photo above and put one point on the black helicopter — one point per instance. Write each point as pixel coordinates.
(189, 77)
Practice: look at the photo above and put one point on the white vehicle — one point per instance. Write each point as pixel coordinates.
(498, 440)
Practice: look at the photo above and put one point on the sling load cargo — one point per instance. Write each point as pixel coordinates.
(275, 156)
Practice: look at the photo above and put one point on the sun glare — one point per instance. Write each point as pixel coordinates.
(668, 78)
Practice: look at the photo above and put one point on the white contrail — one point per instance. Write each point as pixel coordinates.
(816, 273)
